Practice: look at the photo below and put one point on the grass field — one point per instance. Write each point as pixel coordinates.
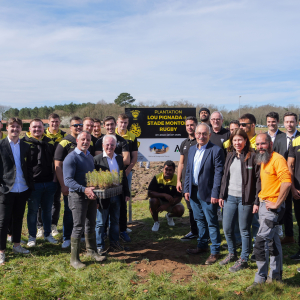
(46, 274)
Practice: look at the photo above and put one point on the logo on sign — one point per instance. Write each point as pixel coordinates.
(177, 149)
(135, 114)
(136, 129)
(159, 148)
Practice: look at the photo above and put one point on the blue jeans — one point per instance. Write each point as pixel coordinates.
(113, 211)
(235, 211)
(67, 220)
(255, 227)
(42, 196)
(205, 214)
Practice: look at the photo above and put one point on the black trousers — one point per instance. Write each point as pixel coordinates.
(297, 215)
(84, 213)
(287, 219)
(55, 209)
(123, 215)
(12, 208)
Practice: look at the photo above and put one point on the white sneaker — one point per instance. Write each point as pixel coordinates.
(20, 250)
(170, 220)
(2, 258)
(66, 244)
(155, 226)
(40, 233)
(279, 230)
(54, 230)
(51, 239)
(31, 241)
(128, 230)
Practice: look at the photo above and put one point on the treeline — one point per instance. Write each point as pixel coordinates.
(102, 109)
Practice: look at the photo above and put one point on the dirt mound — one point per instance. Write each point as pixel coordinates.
(159, 257)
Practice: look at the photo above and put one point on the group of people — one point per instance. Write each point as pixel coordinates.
(44, 164)
(251, 179)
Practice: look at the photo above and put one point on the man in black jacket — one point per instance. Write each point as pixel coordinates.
(56, 135)
(16, 182)
(41, 151)
(110, 161)
(282, 143)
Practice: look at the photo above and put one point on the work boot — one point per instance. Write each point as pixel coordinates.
(75, 248)
(91, 247)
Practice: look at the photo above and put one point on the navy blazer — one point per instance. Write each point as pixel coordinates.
(210, 174)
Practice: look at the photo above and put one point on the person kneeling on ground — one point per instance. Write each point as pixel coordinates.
(82, 200)
(164, 195)
(109, 160)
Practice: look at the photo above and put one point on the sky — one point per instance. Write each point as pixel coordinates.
(206, 51)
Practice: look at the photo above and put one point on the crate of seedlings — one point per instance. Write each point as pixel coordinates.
(107, 184)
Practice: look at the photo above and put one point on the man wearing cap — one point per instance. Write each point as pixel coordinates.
(204, 114)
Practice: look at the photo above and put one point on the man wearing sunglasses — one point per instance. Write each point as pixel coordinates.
(66, 146)
(247, 123)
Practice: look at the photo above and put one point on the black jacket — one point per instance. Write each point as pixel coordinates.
(280, 143)
(250, 178)
(101, 163)
(8, 166)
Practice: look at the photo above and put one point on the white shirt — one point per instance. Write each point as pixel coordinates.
(197, 163)
(274, 136)
(20, 182)
(112, 162)
(288, 138)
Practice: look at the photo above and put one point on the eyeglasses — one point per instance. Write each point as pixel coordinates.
(201, 133)
(244, 124)
(77, 125)
(215, 120)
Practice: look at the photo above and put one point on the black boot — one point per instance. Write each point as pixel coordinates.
(91, 247)
(75, 249)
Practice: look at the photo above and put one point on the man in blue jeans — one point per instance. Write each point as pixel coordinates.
(109, 160)
(42, 151)
(66, 146)
(202, 187)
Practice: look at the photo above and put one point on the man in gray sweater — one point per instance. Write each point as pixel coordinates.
(82, 200)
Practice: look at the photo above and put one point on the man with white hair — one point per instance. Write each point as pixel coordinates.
(109, 160)
(218, 134)
(82, 200)
(203, 177)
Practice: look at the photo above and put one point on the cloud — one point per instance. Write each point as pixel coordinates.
(201, 51)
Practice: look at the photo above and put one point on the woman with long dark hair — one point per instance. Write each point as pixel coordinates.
(239, 197)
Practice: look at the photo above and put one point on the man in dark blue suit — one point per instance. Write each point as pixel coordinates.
(202, 187)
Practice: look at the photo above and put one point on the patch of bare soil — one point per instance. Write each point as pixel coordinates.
(158, 257)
